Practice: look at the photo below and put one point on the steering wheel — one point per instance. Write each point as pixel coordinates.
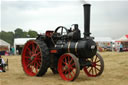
(61, 30)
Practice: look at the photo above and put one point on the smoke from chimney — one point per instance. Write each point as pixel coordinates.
(83, 2)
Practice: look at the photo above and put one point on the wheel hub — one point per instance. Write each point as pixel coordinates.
(68, 65)
(94, 64)
(33, 57)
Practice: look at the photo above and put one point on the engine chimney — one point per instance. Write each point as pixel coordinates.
(86, 20)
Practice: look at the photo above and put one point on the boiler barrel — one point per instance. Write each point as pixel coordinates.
(81, 48)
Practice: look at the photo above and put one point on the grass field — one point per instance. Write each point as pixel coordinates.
(115, 73)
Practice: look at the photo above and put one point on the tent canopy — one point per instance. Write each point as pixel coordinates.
(103, 39)
(123, 38)
(21, 41)
(3, 43)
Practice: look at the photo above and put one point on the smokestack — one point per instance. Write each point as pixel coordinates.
(86, 20)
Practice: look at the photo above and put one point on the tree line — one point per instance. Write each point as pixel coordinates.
(18, 33)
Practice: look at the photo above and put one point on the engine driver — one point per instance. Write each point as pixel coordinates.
(74, 33)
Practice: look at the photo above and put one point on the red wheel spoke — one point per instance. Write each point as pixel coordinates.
(33, 47)
(65, 60)
(37, 58)
(73, 72)
(30, 63)
(38, 53)
(97, 68)
(96, 58)
(70, 74)
(97, 61)
(65, 71)
(27, 61)
(38, 64)
(28, 49)
(72, 68)
(90, 70)
(27, 57)
(36, 48)
(70, 61)
(73, 64)
(98, 65)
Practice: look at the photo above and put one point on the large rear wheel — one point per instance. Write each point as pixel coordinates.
(68, 67)
(35, 58)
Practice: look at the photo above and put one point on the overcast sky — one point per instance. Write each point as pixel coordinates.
(108, 18)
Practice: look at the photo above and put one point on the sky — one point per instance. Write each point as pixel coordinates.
(108, 18)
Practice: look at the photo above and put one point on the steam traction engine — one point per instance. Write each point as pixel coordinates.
(64, 51)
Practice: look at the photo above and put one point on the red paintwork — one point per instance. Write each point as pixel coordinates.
(31, 58)
(49, 33)
(92, 71)
(66, 67)
(53, 51)
(126, 36)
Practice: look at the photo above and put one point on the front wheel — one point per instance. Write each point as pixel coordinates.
(96, 68)
(68, 67)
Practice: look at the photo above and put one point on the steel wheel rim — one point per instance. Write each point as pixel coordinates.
(67, 67)
(96, 68)
(31, 58)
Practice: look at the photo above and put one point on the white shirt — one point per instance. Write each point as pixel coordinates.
(3, 62)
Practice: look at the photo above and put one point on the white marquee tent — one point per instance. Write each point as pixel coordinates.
(21, 42)
(3, 43)
(123, 38)
(103, 39)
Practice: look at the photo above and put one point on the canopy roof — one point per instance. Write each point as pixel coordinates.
(103, 39)
(4, 43)
(21, 41)
(123, 38)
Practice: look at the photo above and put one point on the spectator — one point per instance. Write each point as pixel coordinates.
(121, 47)
(2, 63)
(12, 50)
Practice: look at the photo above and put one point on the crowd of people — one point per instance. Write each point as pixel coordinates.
(114, 47)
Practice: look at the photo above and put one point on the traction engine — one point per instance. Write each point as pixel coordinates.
(64, 52)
